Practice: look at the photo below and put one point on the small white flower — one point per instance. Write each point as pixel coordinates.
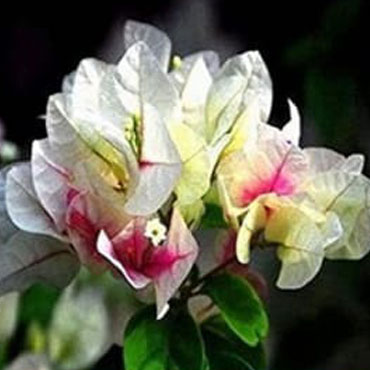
(155, 231)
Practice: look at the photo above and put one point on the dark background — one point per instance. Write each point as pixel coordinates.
(317, 54)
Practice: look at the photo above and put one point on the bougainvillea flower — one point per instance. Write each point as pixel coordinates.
(270, 197)
(142, 262)
(109, 128)
(213, 101)
(191, 78)
(213, 105)
(123, 111)
(130, 143)
(278, 157)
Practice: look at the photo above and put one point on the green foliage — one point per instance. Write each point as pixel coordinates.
(240, 306)
(213, 217)
(37, 304)
(223, 346)
(168, 344)
(228, 341)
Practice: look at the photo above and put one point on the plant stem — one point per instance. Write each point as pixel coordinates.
(215, 271)
(188, 291)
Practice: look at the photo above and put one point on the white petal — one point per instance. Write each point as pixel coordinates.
(86, 90)
(155, 185)
(67, 83)
(161, 167)
(157, 146)
(7, 229)
(323, 159)
(240, 81)
(23, 205)
(354, 164)
(292, 130)
(140, 80)
(332, 229)
(194, 96)
(52, 182)
(65, 140)
(198, 164)
(157, 40)
(179, 76)
(301, 246)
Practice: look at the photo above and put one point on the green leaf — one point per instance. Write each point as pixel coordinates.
(218, 336)
(37, 304)
(173, 343)
(240, 306)
(213, 217)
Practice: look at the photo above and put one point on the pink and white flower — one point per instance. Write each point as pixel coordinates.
(142, 262)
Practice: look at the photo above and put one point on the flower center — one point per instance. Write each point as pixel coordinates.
(155, 231)
(133, 134)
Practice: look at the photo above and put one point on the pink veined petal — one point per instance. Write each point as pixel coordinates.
(276, 167)
(271, 165)
(106, 249)
(140, 262)
(182, 246)
(83, 234)
(132, 253)
(160, 261)
(276, 183)
(86, 216)
(132, 247)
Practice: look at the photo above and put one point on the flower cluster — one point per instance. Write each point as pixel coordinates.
(134, 151)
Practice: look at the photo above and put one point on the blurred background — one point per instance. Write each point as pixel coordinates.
(317, 55)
